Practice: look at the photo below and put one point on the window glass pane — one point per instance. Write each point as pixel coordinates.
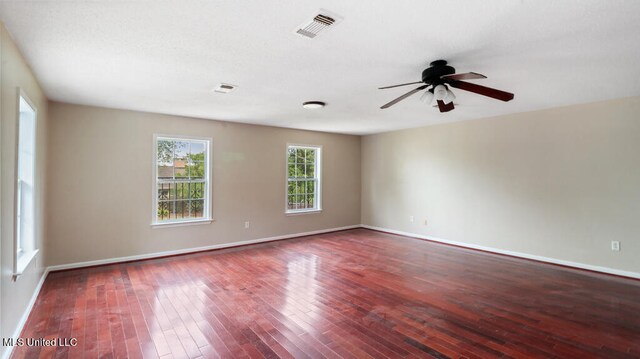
(175, 208)
(299, 201)
(196, 208)
(177, 190)
(173, 189)
(164, 191)
(164, 152)
(310, 158)
(197, 149)
(300, 155)
(180, 167)
(310, 187)
(197, 190)
(187, 209)
(185, 190)
(165, 171)
(290, 200)
(195, 170)
(181, 149)
(291, 158)
(165, 208)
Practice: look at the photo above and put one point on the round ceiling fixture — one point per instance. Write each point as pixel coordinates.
(313, 104)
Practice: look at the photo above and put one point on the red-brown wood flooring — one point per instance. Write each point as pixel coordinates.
(355, 293)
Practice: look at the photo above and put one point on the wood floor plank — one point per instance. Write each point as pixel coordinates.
(349, 294)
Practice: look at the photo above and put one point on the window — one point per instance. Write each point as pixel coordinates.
(25, 205)
(182, 188)
(303, 179)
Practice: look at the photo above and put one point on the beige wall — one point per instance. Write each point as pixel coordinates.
(14, 74)
(559, 183)
(100, 180)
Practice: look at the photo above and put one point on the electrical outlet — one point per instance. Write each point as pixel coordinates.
(246, 224)
(411, 219)
(615, 246)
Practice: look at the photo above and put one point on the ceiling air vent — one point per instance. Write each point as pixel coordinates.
(321, 21)
(224, 88)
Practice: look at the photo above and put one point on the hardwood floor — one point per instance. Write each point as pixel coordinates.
(355, 293)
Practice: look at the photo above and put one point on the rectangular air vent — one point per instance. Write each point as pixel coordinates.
(318, 23)
(224, 88)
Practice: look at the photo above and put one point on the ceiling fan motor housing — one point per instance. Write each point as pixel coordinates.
(431, 75)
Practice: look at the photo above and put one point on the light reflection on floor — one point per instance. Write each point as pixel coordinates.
(301, 286)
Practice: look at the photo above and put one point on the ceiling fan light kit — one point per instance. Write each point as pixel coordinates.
(450, 97)
(437, 76)
(439, 92)
(427, 97)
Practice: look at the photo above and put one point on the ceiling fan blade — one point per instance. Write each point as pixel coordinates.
(393, 102)
(445, 107)
(392, 86)
(466, 76)
(481, 90)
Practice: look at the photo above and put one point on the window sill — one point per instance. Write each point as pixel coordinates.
(23, 262)
(297, 213)
(194, 222)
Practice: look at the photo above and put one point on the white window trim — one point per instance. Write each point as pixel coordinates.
(188, 222)
(318, 167)
(207, 219)
(299, 212)
(22, 259)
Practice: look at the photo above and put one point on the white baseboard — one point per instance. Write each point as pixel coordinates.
(25, 315)
(389, 230)
(590, 267)
(192, 250)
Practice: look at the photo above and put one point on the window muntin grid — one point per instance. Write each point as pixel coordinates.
(303, 180)
(182, 181)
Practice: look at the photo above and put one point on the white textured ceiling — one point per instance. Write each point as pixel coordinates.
(166, 56)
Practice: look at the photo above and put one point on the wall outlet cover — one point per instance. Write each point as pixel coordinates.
(615, 246)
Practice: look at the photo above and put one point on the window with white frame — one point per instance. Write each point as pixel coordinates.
(303, 179)
(25, 206)
(181, 186)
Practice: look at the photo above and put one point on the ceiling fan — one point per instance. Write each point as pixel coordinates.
(437, 76)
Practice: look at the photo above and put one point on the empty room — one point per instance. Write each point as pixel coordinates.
(320, 179)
